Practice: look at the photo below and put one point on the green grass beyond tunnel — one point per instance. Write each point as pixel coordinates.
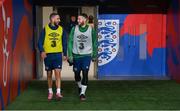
(103, 95)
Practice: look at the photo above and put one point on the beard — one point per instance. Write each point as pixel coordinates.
(56, 23)
(82, 23)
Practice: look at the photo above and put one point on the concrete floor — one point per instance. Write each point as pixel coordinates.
(67, 72)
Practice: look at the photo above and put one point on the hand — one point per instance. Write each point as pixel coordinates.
(64, 58)
(43, 55)
(70, 61)
(93, 59)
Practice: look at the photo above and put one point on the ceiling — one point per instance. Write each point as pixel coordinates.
(142, 6)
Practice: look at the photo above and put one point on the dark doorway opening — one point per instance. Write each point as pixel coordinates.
(66, 13)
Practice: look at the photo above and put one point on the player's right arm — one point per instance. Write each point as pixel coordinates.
(70, 45)
(41, 43)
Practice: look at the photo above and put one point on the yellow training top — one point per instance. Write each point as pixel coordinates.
(53, 40)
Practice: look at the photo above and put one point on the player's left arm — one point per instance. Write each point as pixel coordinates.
(94, 43)
(64, 43)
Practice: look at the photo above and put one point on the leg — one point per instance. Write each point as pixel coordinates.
(50, 82)
(58, 84)
(77, 72)
(49, 73)
(49, 79)
(57, 65)
(58, 78)
(78, 80)
(77, 69)
(77, 76)
(84, 85)
(85, 69)
(85, 77)
(49, 76)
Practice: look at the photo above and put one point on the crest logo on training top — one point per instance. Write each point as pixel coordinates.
(82, 37)
(54, 34)
(108, 40)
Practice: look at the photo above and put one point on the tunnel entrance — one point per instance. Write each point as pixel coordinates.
(135, 55)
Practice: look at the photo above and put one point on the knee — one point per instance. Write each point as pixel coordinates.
(49, 75)
(57, 71)
(57, 74)
(85, 77)
(77, 75)
(85, 72)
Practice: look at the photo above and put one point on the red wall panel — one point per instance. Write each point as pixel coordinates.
(17, 57)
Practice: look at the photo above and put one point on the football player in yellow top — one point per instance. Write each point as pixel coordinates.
(53, 45)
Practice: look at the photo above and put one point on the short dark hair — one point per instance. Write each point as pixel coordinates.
(52, 15)
(91, 18)
(73, 16)
(84, 15)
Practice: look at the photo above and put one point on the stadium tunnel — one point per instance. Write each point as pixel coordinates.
(137, 39)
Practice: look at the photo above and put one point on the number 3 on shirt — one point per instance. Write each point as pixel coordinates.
(81, 46)
(53, 43)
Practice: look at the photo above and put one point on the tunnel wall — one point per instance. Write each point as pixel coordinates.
(173, 40)
(17, 55)
(130, 46)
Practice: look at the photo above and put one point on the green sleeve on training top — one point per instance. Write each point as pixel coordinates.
(94, 41)
(70, 44)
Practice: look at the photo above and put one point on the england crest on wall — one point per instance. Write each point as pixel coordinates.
(108, 40)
